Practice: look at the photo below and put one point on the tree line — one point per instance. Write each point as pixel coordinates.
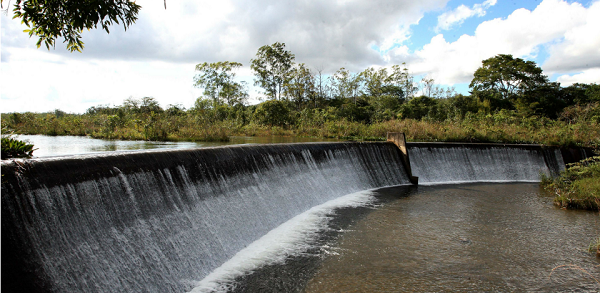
(378, 94)
(510, 101)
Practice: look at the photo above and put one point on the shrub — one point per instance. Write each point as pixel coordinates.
(14, 148)
(578, 187)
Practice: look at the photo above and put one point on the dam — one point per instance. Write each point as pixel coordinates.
(161, 221)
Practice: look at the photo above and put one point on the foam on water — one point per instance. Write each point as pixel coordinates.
(289, 239)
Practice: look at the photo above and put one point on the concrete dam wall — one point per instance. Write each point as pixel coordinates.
(160, 221)
(465, 162)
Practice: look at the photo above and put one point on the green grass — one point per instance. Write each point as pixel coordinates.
(595, 246)
(578, 187)
(500, 127)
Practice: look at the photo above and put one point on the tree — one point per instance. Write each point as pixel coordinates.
(49, 20)
(547, 100)
(428, 86)
(301, 86)
(507, 76)
(346, 84)
(320, 87)
(217, 79)
(272, 68)
(375, 80)
(581, 93)
(272, 113)
(402, 78)
(146, 105)
(418, 107)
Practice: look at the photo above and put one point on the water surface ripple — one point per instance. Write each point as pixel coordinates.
(464, 238)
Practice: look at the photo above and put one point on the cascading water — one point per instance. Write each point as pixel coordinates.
(160, 221)
(458, 163)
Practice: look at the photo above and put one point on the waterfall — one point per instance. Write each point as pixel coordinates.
(460, 163)
(159, 221)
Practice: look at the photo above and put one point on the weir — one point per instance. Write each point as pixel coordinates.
(161, 221)
(479, 162)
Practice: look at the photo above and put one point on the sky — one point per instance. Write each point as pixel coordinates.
(441, 39)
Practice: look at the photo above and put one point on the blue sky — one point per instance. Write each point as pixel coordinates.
(439, 39)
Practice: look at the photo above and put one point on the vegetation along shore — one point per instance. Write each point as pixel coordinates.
(511, 101)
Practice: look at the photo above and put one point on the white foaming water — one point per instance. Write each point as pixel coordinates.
(289, 239)
(459, 164)
(161, 221)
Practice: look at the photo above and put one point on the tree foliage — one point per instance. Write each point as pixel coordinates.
(218, 82)
(507, 76)
(401, 77)
(300, 86)
(273, 67)
(49, 20)
(14, 148)
(272, 113)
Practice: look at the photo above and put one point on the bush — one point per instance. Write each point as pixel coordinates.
(578, 187)
(14, 148)
(272, 113)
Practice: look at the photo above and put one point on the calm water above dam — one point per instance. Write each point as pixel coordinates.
(49, 146)
(449, 238)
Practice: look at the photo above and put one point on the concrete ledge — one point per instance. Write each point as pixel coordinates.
(399, 140)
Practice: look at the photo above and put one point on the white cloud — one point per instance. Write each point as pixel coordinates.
(449, 19)
(587, 76)
(579, 50)
(324, 33)
(38, 81)
(520, 34)
(156, 55)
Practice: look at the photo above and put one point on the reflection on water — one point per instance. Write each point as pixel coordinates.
(461, 238)
(48, 146)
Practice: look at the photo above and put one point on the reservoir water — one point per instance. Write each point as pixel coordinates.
(49, 146)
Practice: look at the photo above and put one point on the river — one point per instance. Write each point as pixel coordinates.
(447, 238)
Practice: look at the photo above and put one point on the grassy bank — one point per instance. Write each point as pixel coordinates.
(578, 187)
(500, 127)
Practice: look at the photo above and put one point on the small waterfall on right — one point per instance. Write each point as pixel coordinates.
(460, 163)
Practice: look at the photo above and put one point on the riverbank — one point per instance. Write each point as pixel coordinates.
(578, 187)
(501, 127)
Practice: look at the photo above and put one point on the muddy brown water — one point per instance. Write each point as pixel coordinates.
(472, 237)
(448, 238)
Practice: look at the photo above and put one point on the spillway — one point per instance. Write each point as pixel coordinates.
(436, 163)
(160, 221)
